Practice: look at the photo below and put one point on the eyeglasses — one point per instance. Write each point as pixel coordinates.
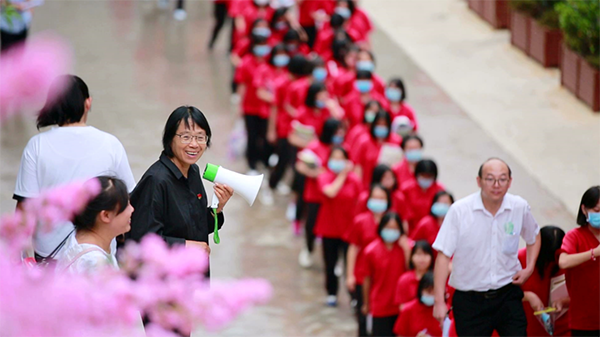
(187, 139)
(492, 181)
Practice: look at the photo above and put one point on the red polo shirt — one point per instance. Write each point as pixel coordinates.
(345, 85)
(426, 229)
(354, 134)
(418, 201)
(407, 287)
(311, 189)
(250, 73)
(404, 110)
(360, 22)
(335, 216)
(307, 8)
(366, 154)
(284, 119)
(354, 106)
(583, 281)
(309, 117)
(417, 317)
(252, 13)
(384, 266)
(403, 173)
(361, 234)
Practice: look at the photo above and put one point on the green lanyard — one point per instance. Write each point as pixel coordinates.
(216, 232)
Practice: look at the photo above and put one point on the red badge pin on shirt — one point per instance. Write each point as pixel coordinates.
(199, 196)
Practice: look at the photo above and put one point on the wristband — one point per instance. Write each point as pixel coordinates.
(593, 256)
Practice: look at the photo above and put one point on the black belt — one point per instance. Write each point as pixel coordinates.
(490, 294)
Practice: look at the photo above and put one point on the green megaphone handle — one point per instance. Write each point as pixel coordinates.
(216, 232)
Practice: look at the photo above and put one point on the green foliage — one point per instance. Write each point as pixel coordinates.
(541, 10)
(580, 23)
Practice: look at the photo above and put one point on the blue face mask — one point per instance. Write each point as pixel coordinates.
(594, 219)
(428, 300)
(261, 50)
(343, 12)
(319, 74)
(336, 165)
(393, 94)
(363, 86)
(319, 104)
(440, 209)
(369, 116)
(381, 131)
(281, 25)
(337, 140)
(390, 235)
(261, 31)
(281, 60)
(413, 156)
(365, 65)
(377, 206)
(425, 183)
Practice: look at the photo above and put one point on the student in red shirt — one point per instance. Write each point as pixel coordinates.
(420, 262)
(418, 195)
(359, 130)
(365, 61)
(294, 44)
(412, 146)
(243, 46)
(416, 318)
(339, 186)
(256, 100)
(537, 287)
(260, 9)
(579, 255)
(360, 235)
(385, 261)
(307, 12)
(384, 176)
(354, 102)
(311, 163)
(428, 228)
(366, 153)
(280, 24)
(358, 20)
(395, 93)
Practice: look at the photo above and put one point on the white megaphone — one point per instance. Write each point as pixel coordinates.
(246, 186)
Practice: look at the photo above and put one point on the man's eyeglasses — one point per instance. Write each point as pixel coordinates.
(187, 139)
(492, 181)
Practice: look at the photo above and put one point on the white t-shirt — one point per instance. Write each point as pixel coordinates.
(62, 155)
(82, 258)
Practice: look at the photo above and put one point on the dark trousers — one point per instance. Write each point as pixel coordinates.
(480, 313)
(331, 252)
(312, 209)
(179, 4)
(257, 150)
(298, 187)
(220, 15)
(8, 40)
(585, 333)
(311, 32)
(384, 326)
(360, 317)
(286, 154)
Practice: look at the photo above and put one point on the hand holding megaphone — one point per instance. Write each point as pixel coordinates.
(246, 186)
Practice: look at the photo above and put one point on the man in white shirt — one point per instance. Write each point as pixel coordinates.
(481, 234)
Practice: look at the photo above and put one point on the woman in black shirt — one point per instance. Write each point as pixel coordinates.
(170, 199)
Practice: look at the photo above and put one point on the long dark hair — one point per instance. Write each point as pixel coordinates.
(65, 103)
(552, 238)
(426, 248)
(113, 196)
(589, 199)
(387, 217)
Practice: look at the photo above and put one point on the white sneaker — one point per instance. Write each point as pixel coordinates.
(273, 160)
(304, 259)
(338, 270)
(266, 197)
(332, 301)
(290, 213)
(235, 99)
(163, 4)
(180, 14)
(283, 189)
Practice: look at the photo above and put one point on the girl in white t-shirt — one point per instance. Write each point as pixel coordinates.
(108, 215)
(70, 151)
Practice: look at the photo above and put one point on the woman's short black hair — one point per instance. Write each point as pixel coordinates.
(426, 248)
(387, 217)
(339, 148)
(552, 238)
(298, 65)
(388, 194)
(330, 128)
(280, 47)
(291, 36)
(589, 200)
(378, 173)
(410, 137)
(336, 21)
(364, 75)
(382, 114)
(65, 103)
(311, 94)
(397, 82)
(341, 46)
(426, 166)
(437, 197)
(189, 115)
(112, 197)
(425, 283)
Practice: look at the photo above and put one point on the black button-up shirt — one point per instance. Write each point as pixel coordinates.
(171, 205)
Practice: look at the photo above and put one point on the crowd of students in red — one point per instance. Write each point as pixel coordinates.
(310, 95)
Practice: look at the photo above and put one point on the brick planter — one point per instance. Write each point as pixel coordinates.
(476, 6)
(570, 63)
(520, 31)
(495, 12)
(545, 44)
(588, 89)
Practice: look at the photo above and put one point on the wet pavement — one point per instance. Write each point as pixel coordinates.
(140, 64)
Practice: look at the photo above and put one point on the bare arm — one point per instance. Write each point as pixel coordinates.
(272, 126)
(350, 263)
(566, 261)
(307, 171)
(441, 271)
(332, 190)
(366, 289)
(532, 254)
(265, 95)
